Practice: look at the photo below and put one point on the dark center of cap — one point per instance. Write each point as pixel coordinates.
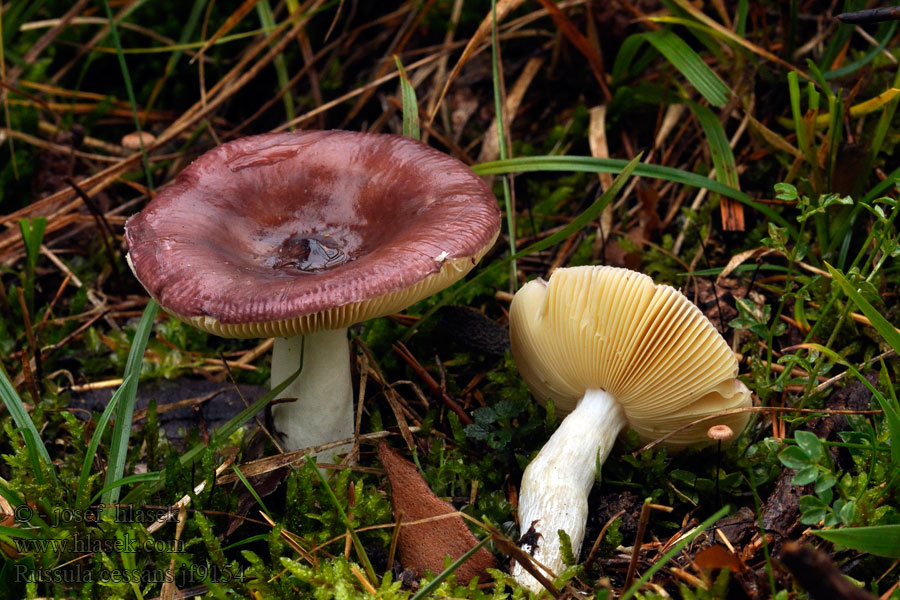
(310, 254)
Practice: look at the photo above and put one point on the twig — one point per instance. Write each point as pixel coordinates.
(407, 356)
(273, 463)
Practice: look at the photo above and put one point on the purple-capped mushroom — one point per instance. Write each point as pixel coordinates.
(299, 235)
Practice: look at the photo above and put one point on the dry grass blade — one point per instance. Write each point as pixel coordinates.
(490, 149)
(527, 561)
(236, 80)
(577, 39)
(169, 589)
(229, 24)
(185, 500)
(361, 90)
(293, 540)
(452, 404)
(281, 461)
(735, 38)
(396, 47)
(127, 7)
(504, 7)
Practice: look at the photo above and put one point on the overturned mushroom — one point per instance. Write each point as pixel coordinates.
(613, 350)
(298, 236)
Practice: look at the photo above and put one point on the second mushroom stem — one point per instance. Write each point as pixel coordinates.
(323, 409)
(556, 484)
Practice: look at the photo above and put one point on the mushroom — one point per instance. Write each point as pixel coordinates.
(299, 235)
(612, 350)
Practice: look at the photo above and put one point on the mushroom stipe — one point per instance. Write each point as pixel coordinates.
(614, 351)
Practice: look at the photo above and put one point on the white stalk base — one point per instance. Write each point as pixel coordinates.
(556, 484)
(323, 409)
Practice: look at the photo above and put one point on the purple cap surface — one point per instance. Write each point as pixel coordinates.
(284, 234)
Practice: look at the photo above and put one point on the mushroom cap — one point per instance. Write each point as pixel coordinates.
(645, 344)
(288, 233)
(719, 433)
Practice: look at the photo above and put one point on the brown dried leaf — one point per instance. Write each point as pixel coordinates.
(424, 545)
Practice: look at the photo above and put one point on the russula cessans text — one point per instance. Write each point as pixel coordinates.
(613, 351)
(299, 235)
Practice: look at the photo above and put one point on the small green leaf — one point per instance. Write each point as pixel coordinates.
(811, 444)
(824, 482)
(847, 511)
(32, 235)
(884, 328)
(793, 457)
(785, 191)
(880, 540)
(812, 510)
(565, 548)
(806, 475)
(410, 106)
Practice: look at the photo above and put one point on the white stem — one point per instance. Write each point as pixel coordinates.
(323, 410)
(556, 484)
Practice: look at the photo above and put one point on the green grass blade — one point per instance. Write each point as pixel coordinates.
(589, 164)
(360, 550)
(835, 132)
(628, 50)
(501, 145)
(673, 551)
(689, 64)
(578, 223)
(890, 410)
(114, 32)
(410, 105)
(881, 325)
(719, 148)
(119, 483)
(95, 443)
(186, 32)
(121, 434)
(801, 129)
(16, 532)
(37, 452)
(856, 65)
(251, 489)
(434, 583)
(880, 540)
(224, 432)
(884, 122)
(590, 213)
(32, 231)
(264, 10)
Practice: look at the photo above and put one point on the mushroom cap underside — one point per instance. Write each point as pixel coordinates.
(284, 234)
(646, 344)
